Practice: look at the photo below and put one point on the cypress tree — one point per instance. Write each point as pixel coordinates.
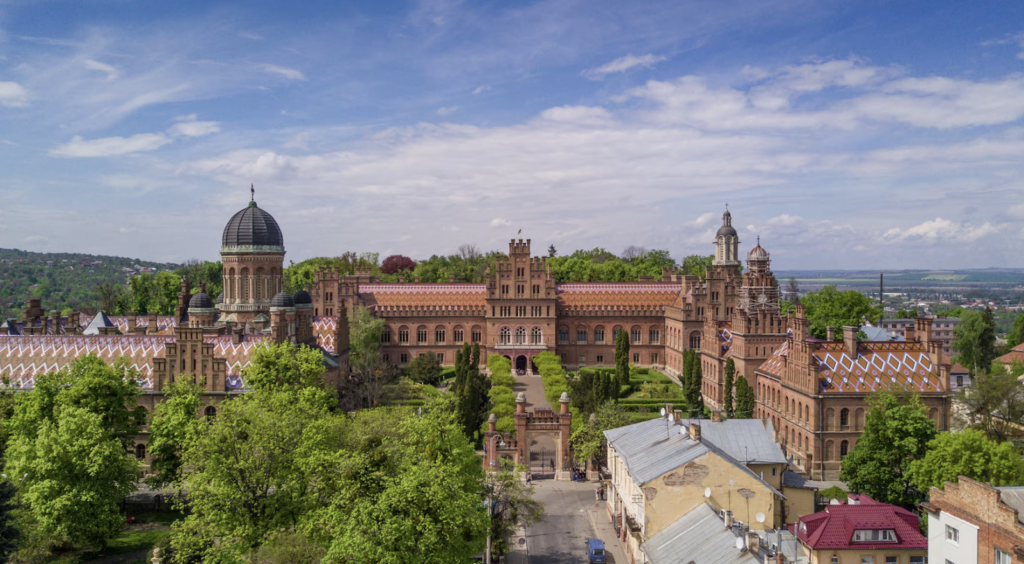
(694, 397)
(622, 359)
(476, 356)
(744, 399)
(730, 371)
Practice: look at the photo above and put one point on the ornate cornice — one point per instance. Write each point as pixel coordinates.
(251, 249)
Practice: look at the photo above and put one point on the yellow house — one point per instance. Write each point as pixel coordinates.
(664, 468)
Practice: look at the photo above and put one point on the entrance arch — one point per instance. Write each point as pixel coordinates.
(543, 453)
(521, 362)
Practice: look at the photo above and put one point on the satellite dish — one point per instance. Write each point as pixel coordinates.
(707, 492)
(663, 412)
(740, 545)
(759, 517)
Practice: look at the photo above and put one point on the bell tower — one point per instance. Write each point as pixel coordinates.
(727, 243)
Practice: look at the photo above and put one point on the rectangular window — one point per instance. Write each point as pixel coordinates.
(1003, 557)
(421, 336)
(385, 336)
(477, 336)
(386, 357)
(458, 335)
(952, 535)
(636, 336)
(403, 336)
(600, 359)
(536, 311)
(655, 336)
(892, 560)
(563, 336)
(582, 359)
(581, 335)
(867, 560)
(439, 336)
(536, 288)
(563, 357)
(654, 358)
(598, 335)
(636, 358)
(440, 357)
(404, 358)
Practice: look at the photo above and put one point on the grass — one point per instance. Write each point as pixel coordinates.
(152, 527)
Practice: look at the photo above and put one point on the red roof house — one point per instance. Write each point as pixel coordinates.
(865, 526)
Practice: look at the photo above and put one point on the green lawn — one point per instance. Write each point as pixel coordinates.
(151, 528)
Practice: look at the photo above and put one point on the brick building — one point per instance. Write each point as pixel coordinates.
(974, 523)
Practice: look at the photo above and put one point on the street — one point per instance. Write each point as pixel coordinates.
(572, 516)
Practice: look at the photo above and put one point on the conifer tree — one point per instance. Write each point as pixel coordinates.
(744, 399)
(730, 372)
(621, 359)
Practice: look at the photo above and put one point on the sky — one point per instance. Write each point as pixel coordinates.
(844, 134)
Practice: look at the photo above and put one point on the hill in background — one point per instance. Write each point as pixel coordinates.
(63, 280)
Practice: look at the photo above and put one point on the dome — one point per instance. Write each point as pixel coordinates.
(220, 298)
(200, 300)
(282, 300)
(726, 230)
(252, 227)
(758, 252)
(302, 297)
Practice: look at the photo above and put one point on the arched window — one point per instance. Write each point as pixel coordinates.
(403, 334)
(458, 334)
(440, 336)
(230, 290)
(695, 340)
(260, 280)
(563, 334)
(140, 451)
(844, 448)
(385, 335)
(654, 335)
(635, 335)
(504, 336)
(210, 411)
(581, 335)
(245, 284)
(599, 334)
(421, 334)
(807, 414)
(520, 335)
(536, 338)
(844, 418)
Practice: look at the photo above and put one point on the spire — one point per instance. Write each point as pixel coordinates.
(252, 190)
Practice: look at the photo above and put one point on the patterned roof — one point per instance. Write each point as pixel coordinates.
(832, 528)
(324, 328)
(383, 297)
(879, 366)
(725, 338)
(165, 323)
(625, 294)
(23, 358)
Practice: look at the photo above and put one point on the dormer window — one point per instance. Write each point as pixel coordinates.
(874, 535)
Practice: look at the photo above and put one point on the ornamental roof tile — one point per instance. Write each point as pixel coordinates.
(775, 365)
(832, 528)
(618, 294)
(324, 328)
(23, 358)
(384, 297)
(725, 338)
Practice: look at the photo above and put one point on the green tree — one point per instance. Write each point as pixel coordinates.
(76, 474)
(173, 427)
(692, 387)
(280, 366)
(745, 400)
(552, 252)
(1016, 334)
(365, 330)
(9, 533)
(622, 358)
(974, 340)
(730, 371)
(897, 432)
(968, 453)
(994, 402)
(829, 307)
(512, 504)
(697, 265)
(426, 369)
(471, 389)
(588, 441)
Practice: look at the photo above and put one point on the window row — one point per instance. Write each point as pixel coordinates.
(635, 335)
(440, 335)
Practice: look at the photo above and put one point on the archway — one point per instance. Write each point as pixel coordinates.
(543, 455)
(520, 363)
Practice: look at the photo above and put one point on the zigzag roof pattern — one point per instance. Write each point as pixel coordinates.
(882, 365)
(23, 358)
(165, 323)
(617, 294)
(324, 328)
(384, 296)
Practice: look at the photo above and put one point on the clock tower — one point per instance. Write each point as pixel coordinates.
(758, 328)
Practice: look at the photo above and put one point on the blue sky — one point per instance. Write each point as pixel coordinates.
(846, 134)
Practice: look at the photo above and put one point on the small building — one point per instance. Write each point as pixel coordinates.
(862, 531)
(972, 522)
(704, 535)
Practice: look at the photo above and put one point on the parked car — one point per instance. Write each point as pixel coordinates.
(595, 551)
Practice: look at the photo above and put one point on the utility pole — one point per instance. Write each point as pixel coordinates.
(881, 297)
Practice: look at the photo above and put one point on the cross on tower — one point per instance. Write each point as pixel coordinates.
(252, 189)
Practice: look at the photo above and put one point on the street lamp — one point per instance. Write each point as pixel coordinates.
(490, 513)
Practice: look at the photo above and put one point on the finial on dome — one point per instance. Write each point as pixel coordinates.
(252, 189)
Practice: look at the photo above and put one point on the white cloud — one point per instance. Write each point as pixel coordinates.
(1014, 39)
(13, 95)
(195, 128)
(499, 222)
(481, 89)
(943, 229)
(37, 239)
(704, 219)
(112, 73)
(580, 115)
(110, 146)
(786, 219)
(447, 110)
(189, 117)
(622, 64)
(290, 74)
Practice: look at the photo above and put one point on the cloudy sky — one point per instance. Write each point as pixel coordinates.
(845, 134)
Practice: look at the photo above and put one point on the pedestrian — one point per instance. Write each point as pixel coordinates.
(529, 478)
(597, 494)
(552, 465)
(601, 489)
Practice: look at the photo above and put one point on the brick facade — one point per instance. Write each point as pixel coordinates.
(999, 525)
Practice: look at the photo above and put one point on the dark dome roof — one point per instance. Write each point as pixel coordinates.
(200, 300)
(252, 227)
(220, 298)
(282, 300)
(302, 297)
(726, 230)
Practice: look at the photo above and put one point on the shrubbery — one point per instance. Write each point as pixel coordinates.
(502, 397)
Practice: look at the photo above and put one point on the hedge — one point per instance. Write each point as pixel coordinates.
(503, 401)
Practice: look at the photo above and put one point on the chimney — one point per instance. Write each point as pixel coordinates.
(677, 417)
(131, 324)
(909, 334)
(492, 423)
(55, 321)
(564, 401)
(668, 408)
(850, 341)
(716, 416)
(753, 543)
(695, 431)
(728, 519)
(924, 329)
(236, 335)
(830, 333)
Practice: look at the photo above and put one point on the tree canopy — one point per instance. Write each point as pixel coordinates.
(974, 340)
(829, 307)
(968, 453)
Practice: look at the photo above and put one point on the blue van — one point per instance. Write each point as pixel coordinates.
(595, 551)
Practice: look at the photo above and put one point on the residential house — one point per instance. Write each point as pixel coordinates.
(862, 531)
(972, 522)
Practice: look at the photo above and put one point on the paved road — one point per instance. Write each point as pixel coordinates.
(572, 516)
(534, 388)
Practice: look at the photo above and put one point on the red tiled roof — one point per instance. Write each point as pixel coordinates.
(776, 363)
(1015, 355)
(383, 297)
(617, 294)
(878, 366)
(832, 528)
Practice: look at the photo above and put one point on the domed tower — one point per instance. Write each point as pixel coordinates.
(760, 289)
(252, 250)
(726, 243)
(201, 311)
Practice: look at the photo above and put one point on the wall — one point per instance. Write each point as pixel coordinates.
(855, 556)
(940, 549)
(974, 502)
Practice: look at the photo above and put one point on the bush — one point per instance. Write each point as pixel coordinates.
(425, 369)
(289, 548)
(503, 410)
(506, 424)
(497, 391)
